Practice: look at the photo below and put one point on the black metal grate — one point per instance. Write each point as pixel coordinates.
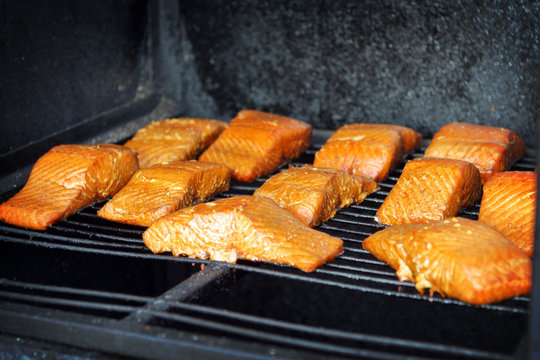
(228, 310)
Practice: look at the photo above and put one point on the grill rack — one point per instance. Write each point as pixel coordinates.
(184, 306)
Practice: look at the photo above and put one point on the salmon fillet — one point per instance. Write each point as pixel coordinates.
(242, 227)
(174, 139)
(313, 194)
(370, 150)
(295, 134)
(431, 189)
(161, 189)
(490, 149)
(509, 205)
(411, 139)
(66, 179)
(457, 257)
(256, 143)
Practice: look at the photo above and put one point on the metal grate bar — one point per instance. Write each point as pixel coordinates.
(273, 337)
(63, 290)
(56, 302)
(279, 326)
(285, 272)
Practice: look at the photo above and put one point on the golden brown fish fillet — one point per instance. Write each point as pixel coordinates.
(243, 227)
(457, 257)
(256, 143)
(174, 139)
(509, 205)
(490, 149)
(431, 189)
(295, 134)
(411, 139)
(161, 189)
(66, 179)
(314, 194)
(369, 150)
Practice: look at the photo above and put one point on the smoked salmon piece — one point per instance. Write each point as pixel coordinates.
(411, 139)
(490, 149)
(314, 194)
(457, 257)
(370, 150)
(256, 143)
(174, 139)
(431, 189)
(242, 227)
(509, 205)
(161, 189)
(66, 179)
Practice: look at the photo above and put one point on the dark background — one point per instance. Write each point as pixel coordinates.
(421, 64)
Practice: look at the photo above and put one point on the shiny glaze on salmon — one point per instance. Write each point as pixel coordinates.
(161, 189)
(411, 140)
(457, 257)
(174, 139)
(66, 179)
(431, 189)
(256, 143)
(509, 205)
(295, 134)
(490, 149)
(369, 150)
(314, 194)
(242, 227)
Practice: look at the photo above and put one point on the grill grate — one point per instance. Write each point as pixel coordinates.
(355, 271)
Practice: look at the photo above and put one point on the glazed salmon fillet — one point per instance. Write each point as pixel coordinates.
(509, 205)
(313, 194)
(161, 189)
(66, 179)
(243, 227)
(431, 189)
(370, 150)
(457, 257)
(174, 139)
(411, 139)
(295, 134)
(256, 143)
(490, 149)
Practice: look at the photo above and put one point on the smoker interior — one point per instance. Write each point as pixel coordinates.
(96, 72)
(88, 268)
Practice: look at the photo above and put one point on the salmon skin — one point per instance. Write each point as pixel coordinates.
(509, 205)
(431, 189)
(256, 143)
(66, 179)
(242, 227)
(370, 150)
(314, 194)
(490, 149)
(457, 257)
(161, 189)
(173, 140)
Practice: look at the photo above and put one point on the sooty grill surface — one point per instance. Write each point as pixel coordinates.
(353, 306)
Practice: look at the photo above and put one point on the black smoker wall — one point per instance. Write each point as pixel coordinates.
(411, 62)
(66, 61)
(328, 62)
